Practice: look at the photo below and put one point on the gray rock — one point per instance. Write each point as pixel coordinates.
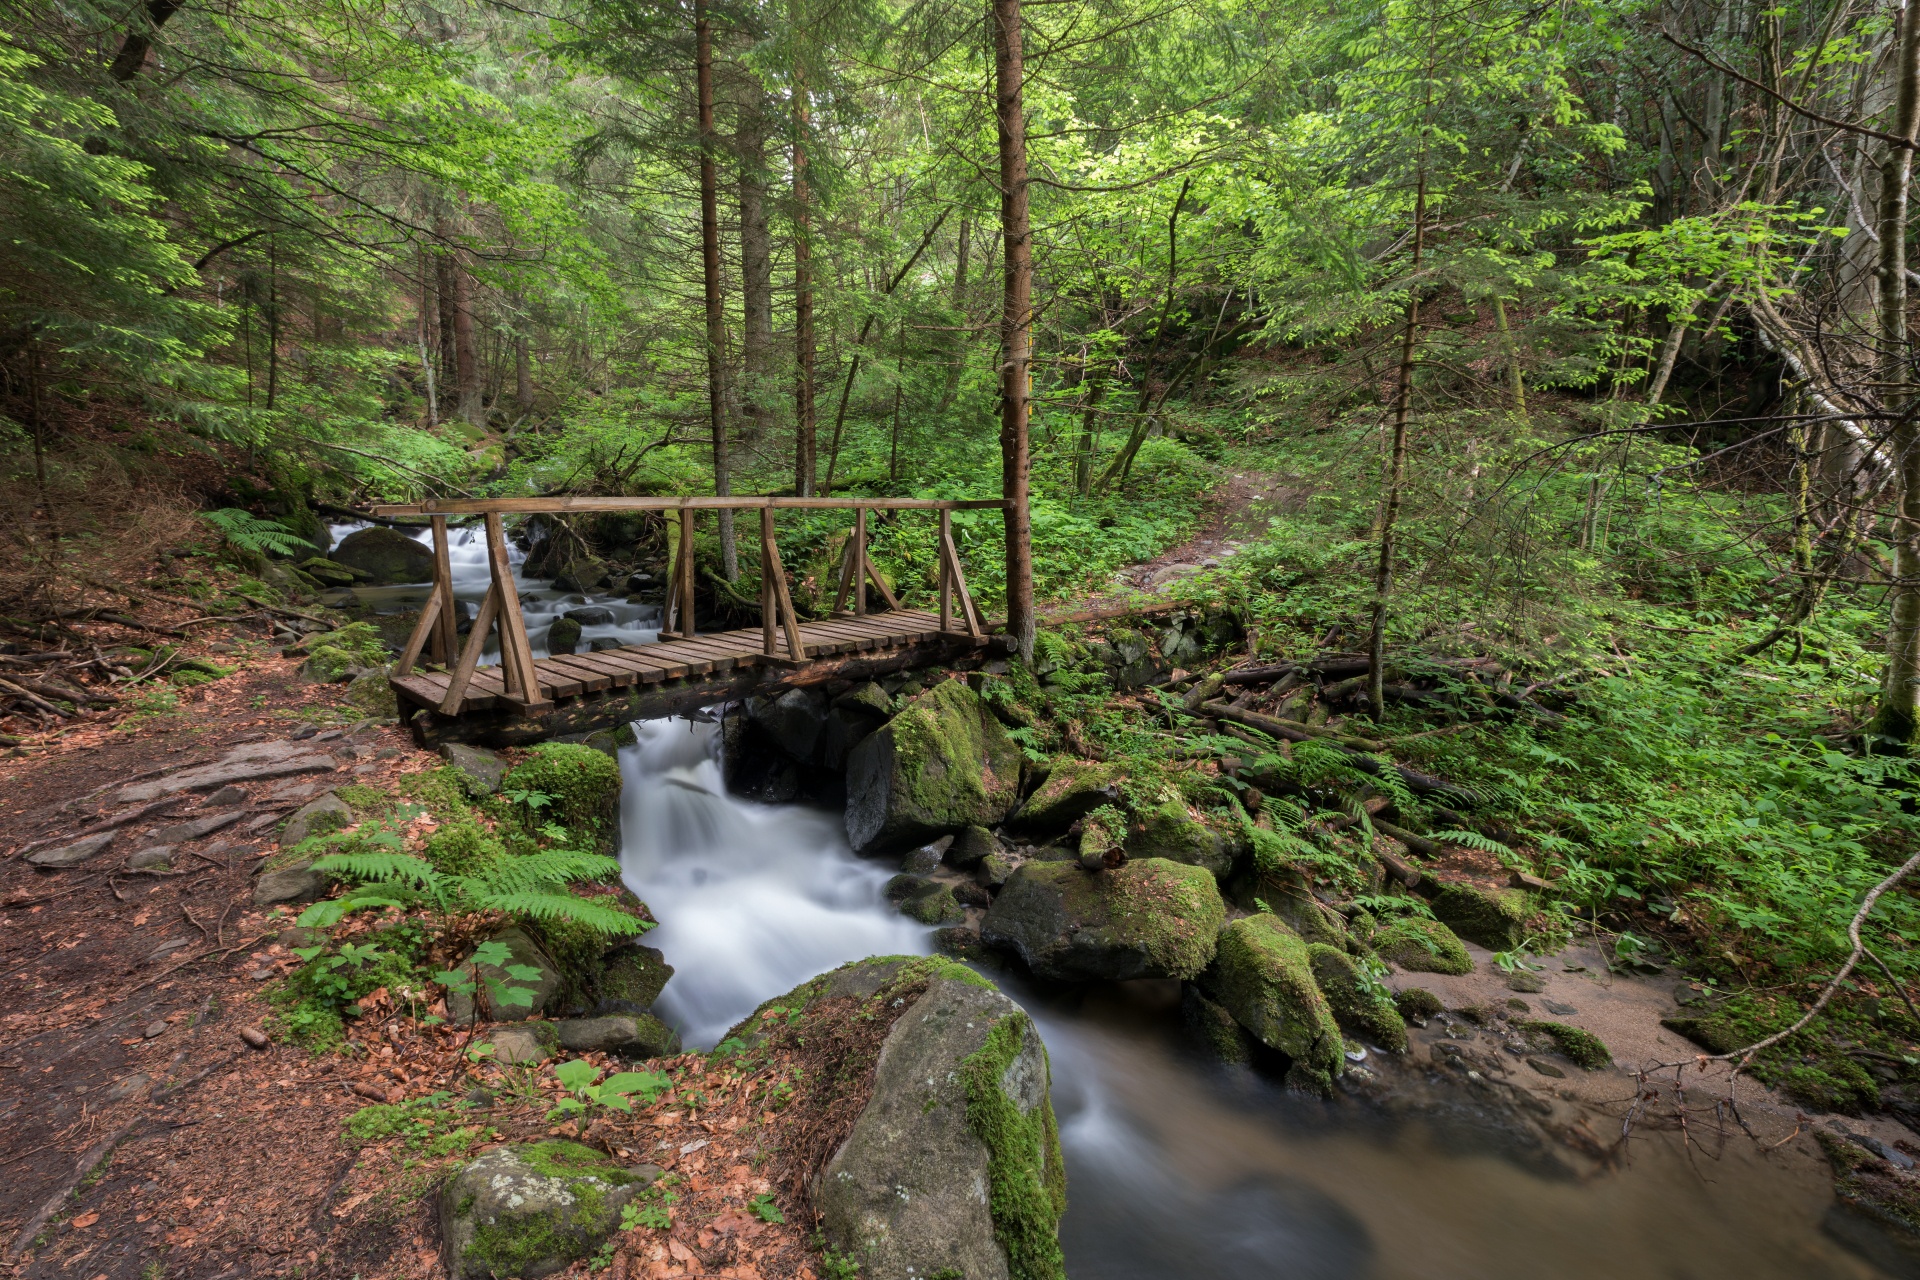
(943, 764)
(970, 847)
(185, 832)
(249, 763)
(924, 860)
(600, 644)
(526, 1044)
(1527, 981)
(934, 905)
(592, 615)
(1072, 790)
(153, 1030)
(793, 720)
(994, 870)
(523, 950)
(632, 979)
(72, 855)
(316, 818)
(371, 691)
(909, 1191)
(563, 636)
(531, 1210)
(480, 769)
(226, 796)
(1171, 831)
(631, 1035)
(385, 556)
(298, 883)
(153, 858)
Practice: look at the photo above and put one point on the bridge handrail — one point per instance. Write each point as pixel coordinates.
(541, 506)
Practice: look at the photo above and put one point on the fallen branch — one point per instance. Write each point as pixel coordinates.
(290, 613)
(1359, 758)
(32, 699)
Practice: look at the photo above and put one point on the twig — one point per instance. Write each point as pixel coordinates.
(1898, 989)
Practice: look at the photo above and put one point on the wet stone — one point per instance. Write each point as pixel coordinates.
(1531, 983)
(1546, 1068)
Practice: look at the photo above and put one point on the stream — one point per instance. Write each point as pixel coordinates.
(1177, 1167)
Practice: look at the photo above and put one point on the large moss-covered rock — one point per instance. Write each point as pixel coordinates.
(385, 556)
(1262, 973)
(372, 693)
(1148, 918)
(942, 764)
(531, 1210)
(317, 817)
(1073, 789)
(1494, 918)
(1420, 945)
(632, 979)
(793, 721)
(563, 637)
(1171, 831)
(480, 770)
(1362, 1008)
(953, 1167)
(582, 786)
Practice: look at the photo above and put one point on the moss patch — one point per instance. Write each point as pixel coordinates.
(1417, 1004)
(1026, 1174)
(1420, 945)
(1583, 1047)
(1495, 918)
(582, 786)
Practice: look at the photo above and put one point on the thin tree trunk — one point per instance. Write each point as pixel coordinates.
(443, 298)
(466, 363)
(273, 325)
(1016, 320)
(522, 375)
(1143, 421)
(756, 274)
(710, 270)
(1515, 382)
(1396, 458)
(1900, 693)
(803, 340)
(958, 363)
(420, 336)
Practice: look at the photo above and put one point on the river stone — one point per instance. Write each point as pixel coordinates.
(183, 832)
(631, 1035)
(563, 636)
(1363, 1009)
(848, 725)
(331, 573)
(914, 1190)
(1262, 974)
(935, 905)
(1494, 918)
(72, 855)
(480, 770)
(970, 848)
(528, 1044)
(1148, 918)
(943, 764)
(386, 556)
(156, 857)
(632, 979)
(294, 884)
(793, 721)
(1172, 832)
(1073, 789)
(925, 860)
(316, 818)
(522, 950)
(582, 573)
(593, 615)
(1420, 945)
(531, 1210)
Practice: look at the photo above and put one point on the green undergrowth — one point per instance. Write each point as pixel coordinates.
(1841, 1062)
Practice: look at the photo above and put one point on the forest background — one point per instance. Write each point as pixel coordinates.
(1572, 334)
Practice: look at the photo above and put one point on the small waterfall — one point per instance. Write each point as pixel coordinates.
(752, 899)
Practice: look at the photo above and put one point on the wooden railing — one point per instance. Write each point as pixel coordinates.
(780, 626)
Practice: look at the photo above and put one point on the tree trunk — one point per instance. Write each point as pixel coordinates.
(134, 49)
(957, 364)
(420, 336)
(1396, 459)
(466, 362)
(803, 341)
(756, 272)
(443, 299)
(710, 271)
(1142, 420)
(522, 375)
(1900, 692)
(1016, 320)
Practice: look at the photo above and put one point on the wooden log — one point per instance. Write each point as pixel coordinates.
(535, 506)
(1260, 675)
(782, 597)
(463, 670)
(516, 650)
(448, 635)
(427, 625)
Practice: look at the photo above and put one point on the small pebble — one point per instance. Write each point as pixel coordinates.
(255, 1037)
(1557, 1009)
(155, 1029)
(259, 975)
(1546, 1068)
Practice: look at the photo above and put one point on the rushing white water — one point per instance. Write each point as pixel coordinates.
(752, 899)
(540, 604)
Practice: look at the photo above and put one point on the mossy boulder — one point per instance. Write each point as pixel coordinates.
(1494, 918)
(480, 770)
(1262, 973)
(1417, 1004)
(531, 1210)
(1420, 945)
(1364, 1009)
(563, 636)
(331, 573)
(318, 817)
(953, 1167)
(1307, 916)
(490, 980)
(1222, 1038)
(582, 787)
(1171, 831)
(370, 692)
(943, 764)
(1147, 918)
(1583, 1047)
(1073, 789)
(385, 556)
(632, 979)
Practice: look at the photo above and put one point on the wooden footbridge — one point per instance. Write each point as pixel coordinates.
(525, 698)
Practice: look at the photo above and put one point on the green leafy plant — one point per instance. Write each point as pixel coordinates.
(765, 1209)
(502, 993)
(585, 1089)
(530, 885)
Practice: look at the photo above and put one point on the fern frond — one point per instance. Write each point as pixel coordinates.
(1472, 840)
(324, 915)
(251, 534)
(547, 869)
(538, 905)
(381, 868)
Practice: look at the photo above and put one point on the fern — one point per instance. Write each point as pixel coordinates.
(556, 904)
(249, 533)
(539, 870)
(531, 886)
(1473, 840)
(381, 868)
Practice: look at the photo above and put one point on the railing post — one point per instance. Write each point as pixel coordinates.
(859, 560)
(768, 605)
(686, 572)
(449, 626)
(946, 579)
(517, 671)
